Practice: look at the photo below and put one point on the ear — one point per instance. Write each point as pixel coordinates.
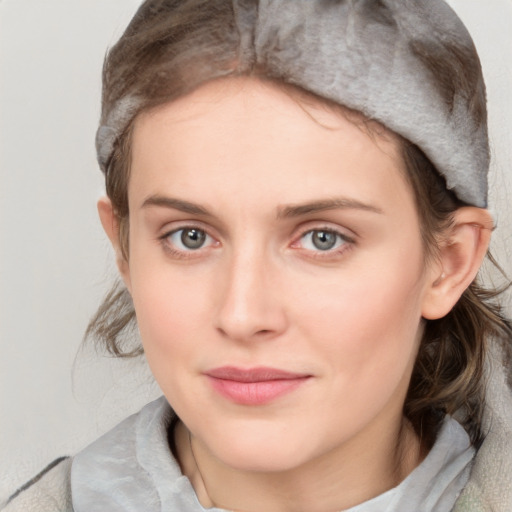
(110, 223)
(461, 252)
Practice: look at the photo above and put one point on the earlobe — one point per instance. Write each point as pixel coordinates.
(110, 223)
(461, 253)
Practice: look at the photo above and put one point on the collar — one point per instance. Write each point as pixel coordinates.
(131, 468)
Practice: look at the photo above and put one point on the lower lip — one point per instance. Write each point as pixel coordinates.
(255, 393)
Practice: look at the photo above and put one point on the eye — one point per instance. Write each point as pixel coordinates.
(188, 239)
(322, 240)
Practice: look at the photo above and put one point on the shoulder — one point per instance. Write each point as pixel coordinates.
(117, 460)
(490, 482)
(48, 491)
(131, 467)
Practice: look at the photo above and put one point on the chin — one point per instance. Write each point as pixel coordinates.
(264, 460)
(262, 450)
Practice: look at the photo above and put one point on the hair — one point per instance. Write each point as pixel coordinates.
(175, 46)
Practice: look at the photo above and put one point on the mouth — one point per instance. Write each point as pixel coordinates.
(254, 386)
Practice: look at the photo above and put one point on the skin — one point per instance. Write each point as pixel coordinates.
(239, 160)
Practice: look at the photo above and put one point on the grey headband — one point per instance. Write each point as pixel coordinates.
(364, 54)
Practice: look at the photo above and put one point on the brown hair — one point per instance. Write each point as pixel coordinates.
(448, 376)
(175, 46)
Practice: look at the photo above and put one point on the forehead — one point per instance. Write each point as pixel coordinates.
(260, 97)
(244, 134)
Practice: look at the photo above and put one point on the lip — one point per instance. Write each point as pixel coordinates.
(254, 386)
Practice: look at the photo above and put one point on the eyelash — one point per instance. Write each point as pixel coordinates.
(184, 253)
(342, 243)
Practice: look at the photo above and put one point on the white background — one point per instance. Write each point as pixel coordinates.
(55, 263)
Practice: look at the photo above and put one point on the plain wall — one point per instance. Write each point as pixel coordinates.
(55, 262)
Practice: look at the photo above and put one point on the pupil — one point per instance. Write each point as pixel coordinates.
(193, 238)
(324, 240)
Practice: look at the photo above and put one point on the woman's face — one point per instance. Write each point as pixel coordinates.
(277, 272)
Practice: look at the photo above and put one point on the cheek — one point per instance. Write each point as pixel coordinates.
(165, 295)
(168, 310)
(367, 321)
(166, 324)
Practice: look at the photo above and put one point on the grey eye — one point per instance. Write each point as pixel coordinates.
(192, 238)
(188, 239)
(322, 240)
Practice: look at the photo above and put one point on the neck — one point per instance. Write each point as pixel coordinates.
(349, 475)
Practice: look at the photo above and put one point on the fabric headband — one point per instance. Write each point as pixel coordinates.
(364, 54)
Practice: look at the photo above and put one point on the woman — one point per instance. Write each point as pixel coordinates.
(296, 198)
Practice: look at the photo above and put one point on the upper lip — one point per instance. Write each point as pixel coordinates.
(259, 374)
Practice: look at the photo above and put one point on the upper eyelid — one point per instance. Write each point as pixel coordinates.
(310, 226)
(168, 223)
(165, 233)
(343, 237)
(167, 230)
(179, 252)
(306, 227)
(348, 242)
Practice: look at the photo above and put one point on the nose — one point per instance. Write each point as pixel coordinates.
(251, 305)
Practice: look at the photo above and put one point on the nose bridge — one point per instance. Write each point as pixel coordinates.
(248, 305)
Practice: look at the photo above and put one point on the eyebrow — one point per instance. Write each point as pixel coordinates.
(284, 212)
(176, 204)
(327, 204)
